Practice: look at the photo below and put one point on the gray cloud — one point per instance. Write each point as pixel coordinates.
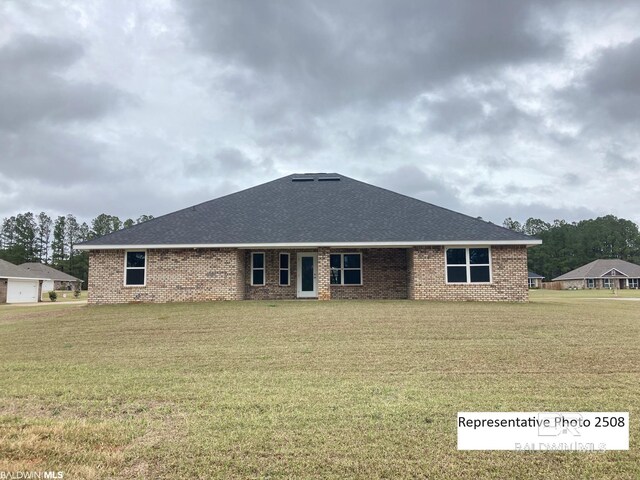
(487, 107)
(617, 161)
(466, 114)
(32, 89)
(326, 55)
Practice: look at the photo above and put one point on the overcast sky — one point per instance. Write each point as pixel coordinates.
(491, 108)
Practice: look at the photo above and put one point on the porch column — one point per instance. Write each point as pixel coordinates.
(324, 274)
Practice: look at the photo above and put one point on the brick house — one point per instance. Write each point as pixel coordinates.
(604, 273)
(324, 236)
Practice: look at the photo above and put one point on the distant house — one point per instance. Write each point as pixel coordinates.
(606, 273)
(535, 280)
(55, 279)
(18, 285)
(314, 235)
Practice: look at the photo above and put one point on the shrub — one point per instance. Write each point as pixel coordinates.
(76, 293)
(53, 296)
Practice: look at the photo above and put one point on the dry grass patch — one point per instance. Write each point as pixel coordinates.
(313, 389)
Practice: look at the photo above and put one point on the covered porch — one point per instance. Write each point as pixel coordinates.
(326, 273)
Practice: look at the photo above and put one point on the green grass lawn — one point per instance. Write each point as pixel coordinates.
(340, 389)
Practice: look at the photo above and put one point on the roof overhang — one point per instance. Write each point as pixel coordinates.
(21, 278)
(467, 243)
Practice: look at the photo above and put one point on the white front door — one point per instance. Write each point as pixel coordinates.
(22, 291)
(307, 275)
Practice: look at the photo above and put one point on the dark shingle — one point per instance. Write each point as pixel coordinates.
(315, 211)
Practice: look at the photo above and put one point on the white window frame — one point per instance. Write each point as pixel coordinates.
(264, 269)
(288, 269)
(146, 263)
(532, 282)
(468, 265)
(342, 270)
(606, 283)
(591, 283)
(633, 283)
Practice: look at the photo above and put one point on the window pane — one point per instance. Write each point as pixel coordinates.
(352, 261)
(335, 261)
(352, 277)
(480, 274)
(284, 277)
(457, 274)
(335, 276)
(284, 260)
(135, 259)
(478, 255)
(456, 256)
(306, 274)
(258, 260)
(258, 277)
(135, 277)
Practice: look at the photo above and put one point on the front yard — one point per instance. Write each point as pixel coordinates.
(308, 389)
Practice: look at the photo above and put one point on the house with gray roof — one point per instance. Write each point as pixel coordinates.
(535, 280)
(604, 273)
(314, 235)
(18, 285)
(55, 279)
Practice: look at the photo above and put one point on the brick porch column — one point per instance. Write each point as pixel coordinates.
(324, 274)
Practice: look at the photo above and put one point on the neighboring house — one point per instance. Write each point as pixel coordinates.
(607, 273)
(535, 280)
(55, 279)
(323, 236)
(18, 285)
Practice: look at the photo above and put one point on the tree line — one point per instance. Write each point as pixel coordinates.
(27, 237)
(566, 246)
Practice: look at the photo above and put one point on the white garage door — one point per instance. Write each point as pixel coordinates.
(22, 291)
(47, 286)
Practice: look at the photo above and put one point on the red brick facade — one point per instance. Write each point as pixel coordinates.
(187, 275)
(508, 271)
(416, 273)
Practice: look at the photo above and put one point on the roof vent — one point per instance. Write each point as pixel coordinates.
(329, 179)
(302, 179)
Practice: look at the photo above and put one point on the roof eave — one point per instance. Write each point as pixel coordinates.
(528, 243)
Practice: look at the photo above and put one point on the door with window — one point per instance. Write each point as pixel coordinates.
(307, 275)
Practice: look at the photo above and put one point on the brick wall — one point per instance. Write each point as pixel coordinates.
(172, 276)
(225, 274)
(383, 271)
(426, 270)
(272, 290)
(384, 275)
(3, 290)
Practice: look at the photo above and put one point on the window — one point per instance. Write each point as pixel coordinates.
(591, 283)
(257, 268)
(532, 283)
(135, 266)
(607, 283)
(468, 265)
(284, 269)
(633, 282)
(346, 268)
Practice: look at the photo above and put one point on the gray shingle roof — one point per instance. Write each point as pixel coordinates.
(598, 268)
(534, 275)
(50, 273)
(9, 270)
(310, 208)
